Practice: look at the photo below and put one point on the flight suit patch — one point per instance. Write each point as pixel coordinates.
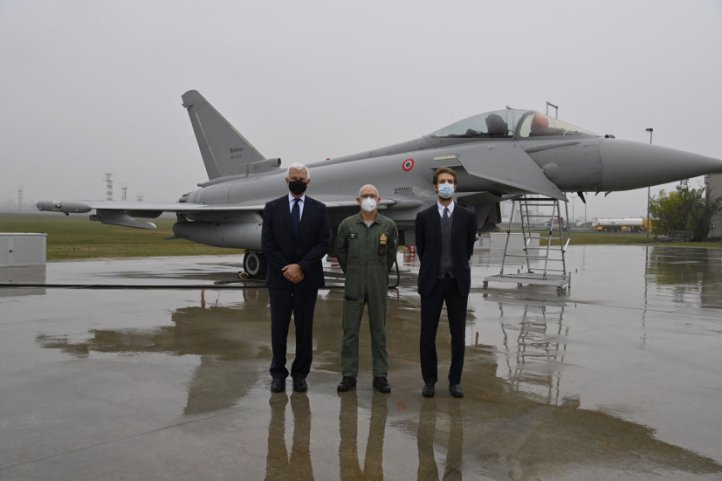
(383, 242)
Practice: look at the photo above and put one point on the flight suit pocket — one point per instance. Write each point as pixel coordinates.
(353, 242)
(353, 289)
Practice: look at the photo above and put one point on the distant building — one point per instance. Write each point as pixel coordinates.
(713, 184)
(621, 224)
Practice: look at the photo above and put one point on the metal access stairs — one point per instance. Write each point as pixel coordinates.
(545, 264)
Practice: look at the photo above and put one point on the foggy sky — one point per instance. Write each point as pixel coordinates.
(91, 87)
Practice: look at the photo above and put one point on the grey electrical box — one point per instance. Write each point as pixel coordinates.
(22, 249)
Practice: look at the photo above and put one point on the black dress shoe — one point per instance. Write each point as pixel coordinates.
(428, 390)
(300, 385)
(346, 384)
(382, 385)
(278, 385)
(455, 390)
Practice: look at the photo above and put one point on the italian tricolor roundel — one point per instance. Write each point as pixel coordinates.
(407, 165)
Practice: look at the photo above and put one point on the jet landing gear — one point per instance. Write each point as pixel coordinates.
(254, 266)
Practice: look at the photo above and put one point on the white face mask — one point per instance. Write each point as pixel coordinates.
(446, 191)
(368, 204)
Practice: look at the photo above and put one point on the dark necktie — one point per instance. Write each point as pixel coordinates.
(446, 266)
(295, 217)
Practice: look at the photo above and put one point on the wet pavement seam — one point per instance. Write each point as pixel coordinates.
(121, 439)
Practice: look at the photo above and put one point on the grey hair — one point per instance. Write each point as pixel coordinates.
(378, 194)
(298, 166)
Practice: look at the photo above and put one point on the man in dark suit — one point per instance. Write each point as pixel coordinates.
(445, 236)
(294, 239)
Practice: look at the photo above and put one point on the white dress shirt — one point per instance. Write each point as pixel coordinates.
(442, 207)
(301, 203)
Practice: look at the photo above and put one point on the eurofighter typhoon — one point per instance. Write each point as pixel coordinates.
(498, 155)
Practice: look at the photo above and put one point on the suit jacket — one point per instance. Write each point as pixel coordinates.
(281, 248)
(428, 246)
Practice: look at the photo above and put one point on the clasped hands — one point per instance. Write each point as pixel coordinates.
(293, 273)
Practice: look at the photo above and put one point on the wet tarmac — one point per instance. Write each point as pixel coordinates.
(158, 369)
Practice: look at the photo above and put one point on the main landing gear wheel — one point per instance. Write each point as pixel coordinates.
(255, 265)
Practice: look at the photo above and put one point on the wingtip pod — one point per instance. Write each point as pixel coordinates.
(632, 165)
(64, 207)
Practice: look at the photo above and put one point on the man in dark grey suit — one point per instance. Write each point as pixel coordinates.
(294, 239)
(445, 236)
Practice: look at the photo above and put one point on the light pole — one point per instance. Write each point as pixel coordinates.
(650, 130)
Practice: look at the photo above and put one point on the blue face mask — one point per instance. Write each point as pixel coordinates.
(446, 191)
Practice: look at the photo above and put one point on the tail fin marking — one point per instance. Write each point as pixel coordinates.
(224, 150)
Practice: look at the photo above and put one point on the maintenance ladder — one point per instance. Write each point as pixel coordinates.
(545, 264)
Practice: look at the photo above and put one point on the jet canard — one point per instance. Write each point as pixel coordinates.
(497, 155)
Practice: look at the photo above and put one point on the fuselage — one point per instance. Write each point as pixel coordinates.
(572, 159)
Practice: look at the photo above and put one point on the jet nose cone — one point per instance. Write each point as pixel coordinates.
(631, 165)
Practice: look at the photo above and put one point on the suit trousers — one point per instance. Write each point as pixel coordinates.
(445, 291)
(300, 303)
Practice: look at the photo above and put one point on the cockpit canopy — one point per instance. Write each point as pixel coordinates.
(510, 123)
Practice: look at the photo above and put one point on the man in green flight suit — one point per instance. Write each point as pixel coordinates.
(366, 249)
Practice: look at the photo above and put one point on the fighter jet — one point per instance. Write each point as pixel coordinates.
(498, 155)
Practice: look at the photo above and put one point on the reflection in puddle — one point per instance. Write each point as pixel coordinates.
(521, 419)
(689, 274)
(279, 465)
(539, 343)
(372, 468)
(426, 438)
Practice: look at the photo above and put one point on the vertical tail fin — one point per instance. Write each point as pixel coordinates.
(225, 151)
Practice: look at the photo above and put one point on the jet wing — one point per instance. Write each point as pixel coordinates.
(508, 165)
(125, 213)
(154, 209)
